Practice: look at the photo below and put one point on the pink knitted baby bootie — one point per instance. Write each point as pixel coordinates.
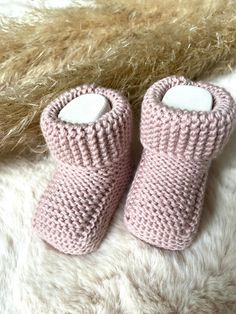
(93, 171)
(166, 197)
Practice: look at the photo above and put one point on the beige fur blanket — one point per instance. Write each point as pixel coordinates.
(125, 275)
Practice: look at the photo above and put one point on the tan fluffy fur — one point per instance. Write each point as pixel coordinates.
(125, 45)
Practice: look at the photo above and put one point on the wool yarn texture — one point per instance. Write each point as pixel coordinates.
(94, 168)
(165, 201)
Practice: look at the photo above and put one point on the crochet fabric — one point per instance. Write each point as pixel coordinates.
(93, 171)
(165, 200)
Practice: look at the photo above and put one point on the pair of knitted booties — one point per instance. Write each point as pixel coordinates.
(165, 200)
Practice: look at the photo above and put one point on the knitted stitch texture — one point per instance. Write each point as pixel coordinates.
(93, 171)
(165, 201)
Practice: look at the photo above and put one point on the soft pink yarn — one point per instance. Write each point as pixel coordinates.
(93, 172)
(165, 200)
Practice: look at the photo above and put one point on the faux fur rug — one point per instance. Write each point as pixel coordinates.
(125, 275)
(122, 44)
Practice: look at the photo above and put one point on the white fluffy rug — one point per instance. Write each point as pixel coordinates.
(124, 275)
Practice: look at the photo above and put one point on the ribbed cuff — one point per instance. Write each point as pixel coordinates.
(90, 144)
(197, 135)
